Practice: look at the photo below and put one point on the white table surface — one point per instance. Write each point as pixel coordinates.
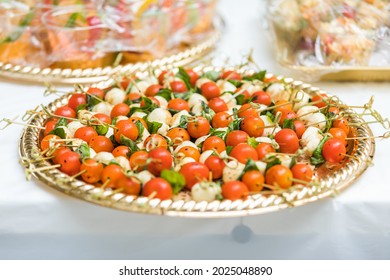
(37, 222)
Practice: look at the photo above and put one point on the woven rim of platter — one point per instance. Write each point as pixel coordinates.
(329, 185)
(92, 75)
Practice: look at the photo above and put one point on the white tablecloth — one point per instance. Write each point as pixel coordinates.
(37, 222)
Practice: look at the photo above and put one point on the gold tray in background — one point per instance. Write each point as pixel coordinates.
(331, 182)
(177, 57)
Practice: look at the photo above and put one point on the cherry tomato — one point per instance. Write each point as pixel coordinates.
(319, 100)
(120, 109)
(76, 100)
(218, 105)
(261, 97)
(85, 133)
(199, 127)
(101, 144)
(133, 97)
(231, 75)
(214, 143)
(243, 152)
(92, 171)
(279, 175)
(152, 90)
(49, 126)
(135, 119)
(221, 119)
(158, 188)
(334, 150)
(58, 152)
(130, 185)
(138, 160)
(283, 105)
(254, 126)
(254, 180)
(247, 110)
(236, 137)
(334, 110)
(343, 124)
(263, 149)
(178, 86)
(49, 141)
(234, 190)
(164, 76)
(338, 133)
(123, 151)
(70, 163)
(194, 172)
(96, 91)
(178, 135)
(155, 141)
(189, 151)
(178, 104)
(160, 159)
(193, 76)
(153, 99)
(244, 93)
(65, 111)
(210, 90)
(216, 166)
(287, 115)
(126, 128)
(300, 128)
(287, 140)
(111, 174)
(302, 172)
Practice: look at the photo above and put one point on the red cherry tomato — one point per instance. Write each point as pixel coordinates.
(65, 111)
(218, 105)
(234, 190)
(261, 97)
(216, 166)
(76, 100)
(210, 90)
(178, 86)
(302, 172)
(85, 133)
(236, 137)
(158, 188)
(214, 143)
(287, 140)
(334, 150)
(193, 76)
(160, 159)
(300, 128)
(102, 118)
(319, 100)
(126, 128)
(247, 110)
(92, 171)
(254, 126)
(120, 109)
(263, 149)
(101, 144)
(243, 152)
(198, 127)
(194, 172)
(96, 91)
(231, 75)
(70, 163)
(152, 90)
(129, 185)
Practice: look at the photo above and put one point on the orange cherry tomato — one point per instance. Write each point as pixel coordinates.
(214, 143)
(234, 190)
(302, 172)
(158, 188)
(287, 140)
(130, 185)
(133, 97)
(221, 119)
(247, 110)
(123, 151)
(126, 128)
(178, 104)
(320, 100)
(49, 141)
(343, 124)
(101, 144)
(283, 105)
(189, 151)
(178, 135)
(198, 127)
(92, 171)
(236, 137)
(279, 175)
(254, 126)
(138, 160)
(111, 175)
(135, 119)
(85, 133)
(263, 149)
(152, 90)
(96, 91)
(194, 172)
(243, 152)
(254, 180)
(338, 133)
(155, 141)
(102, 118)
(49, 126)
(120, 109)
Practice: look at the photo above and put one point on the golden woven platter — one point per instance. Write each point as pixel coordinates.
(331, 182)
(177, 57)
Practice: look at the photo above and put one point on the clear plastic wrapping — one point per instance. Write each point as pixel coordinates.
(331, 33)
(84, 34)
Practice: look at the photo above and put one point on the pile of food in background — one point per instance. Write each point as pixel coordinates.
(83, 34)
(333, 32)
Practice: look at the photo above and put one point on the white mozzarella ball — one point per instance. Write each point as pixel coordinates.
(104, 157)
(200, 140)
(163, 102)
(175, 121)
(316, 119)
(197, 109)
(232, 171)
(144, 176)
(231, 102)
(274, 144)
(249, 87)
(109, 132)
(121, 118)
(205, 155)
(85, 114)
(103, 107)
(160, 115)
(301, 98)
(115, 96)
(163, 130)
(123, 162)
(205, 191)
(261, 165)
(139, 114)
(68, 133)
(226, 86)
(278, 91)
(268, 122)
(311, 138)
(195, 99)
(73, 126)
(202, 81)
(92, 153)
(185, 144)
(140, 87)
(307, 110)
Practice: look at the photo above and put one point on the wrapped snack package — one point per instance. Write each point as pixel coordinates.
(329, 33)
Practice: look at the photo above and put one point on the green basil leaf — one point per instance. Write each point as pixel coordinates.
(271, 161)
(101, 129)
(84, 151)
(59, 131)
(329, 121)
(81, 107)
(129, 143)
(236, 83)
(229, 149)
(256, 76)
(61, 122)
(317, 158)
(288, 123)
(183, 122)
(268, 114)
(252, 142)
(176, 180)
(219, 133)
(92, 101)
(183, 75)
(240, 99)
(185, 95)
(149, 107)
(235, 124)
(153, 127)
(165, 93)
(211, 75)
(250, 165)
(140, 128)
